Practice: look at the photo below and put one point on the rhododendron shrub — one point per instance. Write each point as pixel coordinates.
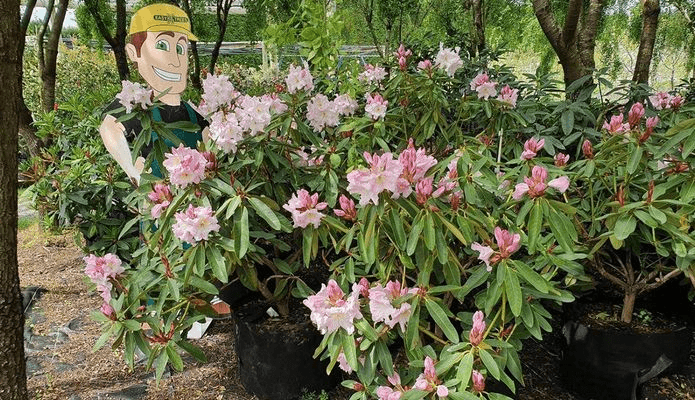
(437, 196)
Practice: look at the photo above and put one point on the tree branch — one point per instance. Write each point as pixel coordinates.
(546, 18)
(93, 9)
(612, 278)
(26, 17)
(574, 12)
(587, 35)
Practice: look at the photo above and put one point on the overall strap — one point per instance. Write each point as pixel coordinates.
(156, 115)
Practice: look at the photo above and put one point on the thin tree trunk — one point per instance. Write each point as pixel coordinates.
(650, 20)
(479, 24)
(223, 7)
(628, 306)
(39, 40)
(48, 74)
(116, 42)
(195, 78)
(13, 384)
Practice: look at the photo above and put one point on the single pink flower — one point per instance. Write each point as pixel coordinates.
(616, 125)
(383, 175)
(486, 90)
(507, 242)
(535, 185)
(428, 380)
(330, 310)
(479, 80)
(382, 309)
(508, 96)
(347, 208)
(531, 147)
(305, 209)
(195, 224)
(560, 184)
(376, 106)
(660, 100)
(676, 102)
(185, 166)
(101, 269)
(485, 253)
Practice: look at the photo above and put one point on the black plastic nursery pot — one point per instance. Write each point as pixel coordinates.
(604, 364)
(276, 357)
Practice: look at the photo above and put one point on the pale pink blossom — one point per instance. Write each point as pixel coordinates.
(660, 100)
(104, 290)
(330, 310)
(485, 253)
(561, 159)
(253, 114)
(185, 166)
(343, 363)
(425, 65)
(225, 131)
(345, 105)
(616, 125)
(479, 79)
(381, 305)
(535, 185)
(218, 93)
(275, 104)
(448, 60)
(299, 78)
(388, 393)
(376, 106)
(195, 224)
(508, 96)
(531, 148)
(372, 74)
(161, 197)
(347, 208)
(107, 310)
(133, 95)
(478, 381)
(101, 269)
(635, 114)
(486, 90)
(477, 333)
(321, 112)
(383, 174)
(305, 209)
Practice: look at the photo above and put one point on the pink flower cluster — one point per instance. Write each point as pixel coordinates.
(425, 65)
(331, 310)
(428, 380)
(376, 106)
(535, 185)
(345, 105)
(225, 131)
(402, 55)
(161, 197)
(383, 174)
(415, 164)
(195, 224)
(531, 148)
(275, 104)
(133, 94)
(218, 93)
(381, 301)
(664, 100)
(102, 270)
(185, 166)
(448, 60)
(508, 96)
(616, 125)
(305, 209)
(299, 79)
(253, 113)
(507, 244)
(321, 112)
(372, 74)
(561, 159)
(484, 86)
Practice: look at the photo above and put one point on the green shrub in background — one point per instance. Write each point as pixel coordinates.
(75, 181)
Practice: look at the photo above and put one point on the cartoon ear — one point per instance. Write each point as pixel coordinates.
(132, 52)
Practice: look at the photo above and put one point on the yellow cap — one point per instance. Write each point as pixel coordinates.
(161, 18)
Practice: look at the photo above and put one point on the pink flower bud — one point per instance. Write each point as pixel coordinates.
(635, 115)
(478, 331)
(588, 149)
(478, 381)
(561, 159)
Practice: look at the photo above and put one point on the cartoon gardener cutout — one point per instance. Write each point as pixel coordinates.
(159, 35)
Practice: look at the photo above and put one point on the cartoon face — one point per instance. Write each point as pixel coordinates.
(162, 61)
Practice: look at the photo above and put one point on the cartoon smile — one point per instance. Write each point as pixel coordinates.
(167, 76)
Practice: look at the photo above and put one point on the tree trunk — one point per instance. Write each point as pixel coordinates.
(223, 7)
(650, 20)
(628, 305)
(13, 384)
(195, 78)
(574, 42)
(48, 74)
(479, 24)
(116, 42)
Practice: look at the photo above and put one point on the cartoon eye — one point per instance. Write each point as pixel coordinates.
(179, 48)
(162, 45)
